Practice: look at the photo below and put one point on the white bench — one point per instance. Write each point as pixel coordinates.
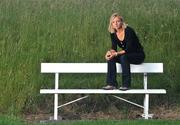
(58, 68)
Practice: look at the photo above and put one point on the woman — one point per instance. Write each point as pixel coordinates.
(131, 52)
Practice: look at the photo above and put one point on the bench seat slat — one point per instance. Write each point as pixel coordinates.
(97, 68)
(101, 91)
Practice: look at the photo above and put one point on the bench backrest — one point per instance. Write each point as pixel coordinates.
(97, 68)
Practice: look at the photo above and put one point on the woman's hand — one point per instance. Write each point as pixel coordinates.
(110, 54)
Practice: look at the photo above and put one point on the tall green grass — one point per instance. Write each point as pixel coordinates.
(35, 31)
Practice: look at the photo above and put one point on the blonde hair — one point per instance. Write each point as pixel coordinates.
(114, 15)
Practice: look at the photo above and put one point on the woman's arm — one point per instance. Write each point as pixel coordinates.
(114, 44)
(132, 41)
(121, 52)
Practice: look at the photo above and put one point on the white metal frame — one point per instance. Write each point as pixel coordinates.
(146, 98)
(56, 97)
(146, 115)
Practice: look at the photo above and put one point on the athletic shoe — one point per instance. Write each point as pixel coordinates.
(109, 87)
(123, 88)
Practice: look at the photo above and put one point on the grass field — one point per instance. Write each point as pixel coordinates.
(35, 31)
(124, 122)
(15, 121)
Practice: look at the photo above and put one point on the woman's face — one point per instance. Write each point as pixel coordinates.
(116, 23)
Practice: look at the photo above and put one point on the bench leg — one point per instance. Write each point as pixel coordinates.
(56, 97)
(146, 106)
(55, 106)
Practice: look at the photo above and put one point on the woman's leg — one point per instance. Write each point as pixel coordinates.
(125, 60)
(111, 74)
(136, 58)
(126, 75)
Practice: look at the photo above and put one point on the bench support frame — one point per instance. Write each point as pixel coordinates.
(146, 115)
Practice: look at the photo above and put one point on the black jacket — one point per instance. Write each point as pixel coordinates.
(130, 43)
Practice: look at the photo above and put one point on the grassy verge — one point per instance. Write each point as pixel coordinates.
(7, 120)
(123, 122)
(11, 120)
